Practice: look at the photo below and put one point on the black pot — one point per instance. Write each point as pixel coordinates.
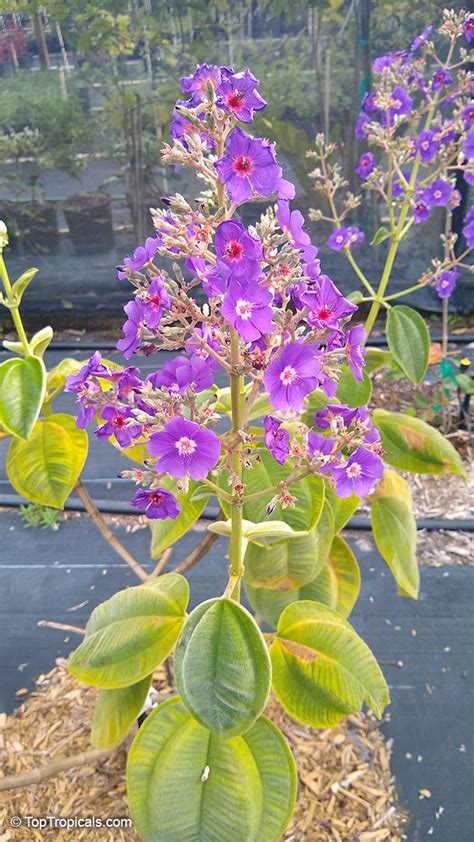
(89, 219)
(37, 227)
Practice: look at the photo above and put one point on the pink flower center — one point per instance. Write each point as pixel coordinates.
(340, 238)
(118, 422)
(354, 470)
(243, 166)
(397, 103)
(156, 497)
(288, 375)
(234, 100)
(437, 194)
(185, 446)
(425, 144)
(324, 313)
(244, 308)
(234, 250)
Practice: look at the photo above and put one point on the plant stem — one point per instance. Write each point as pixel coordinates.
(237, 400)
(13, 307)
(107, 533)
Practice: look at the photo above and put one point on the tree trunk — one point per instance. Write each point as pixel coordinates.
(41, 41)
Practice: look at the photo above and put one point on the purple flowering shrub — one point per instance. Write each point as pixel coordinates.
(288, 448)
(419, 124)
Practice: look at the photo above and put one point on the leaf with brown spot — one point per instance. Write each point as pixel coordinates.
(411, 444)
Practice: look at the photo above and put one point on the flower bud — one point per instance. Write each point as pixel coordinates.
(3, 235)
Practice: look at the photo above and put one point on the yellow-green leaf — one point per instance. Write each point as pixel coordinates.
(351, 391)
(322, 669)
(115, 711)
(222, 667)
(342, 508)
(131, 633)
(412, 445)
(394, 529)
(45, 468)
(22, 389)
(185, 783)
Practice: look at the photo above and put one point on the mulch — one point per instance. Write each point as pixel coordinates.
(346, 789)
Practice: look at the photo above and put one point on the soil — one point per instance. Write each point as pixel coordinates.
(85, 202)
(345, 784)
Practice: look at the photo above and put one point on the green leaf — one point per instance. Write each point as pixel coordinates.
(381, 235)
(222, 667)
(21, 283)
(322, 669)
(164, 533)
(412, 445)
(115, 711)
(41, 340)
(185, 783)
(394, 529)
(409, 341)
(351, 391)
(376, 358)
(22, 389)
(262, 534)
(45, 468)
(265, 475)
(131, 633)
(342, 508)
(465, 383)
(337, 586)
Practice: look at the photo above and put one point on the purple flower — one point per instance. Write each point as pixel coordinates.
(237, 94)
(382, 62)
(117, 424)
(292, 375)
(94, 367)
(237, 249)
(181, 127)
(249, 165)
(357, 475)
(246, 306)
(468, 29)
(366, 165)
(447, 282)
(276, 439)
(438, 193)
(355, 236)
(426, 145)
(155, 302)
(468, 146)
(369, 103)
(441, 78)
(355, 351)
(339, 415)
(398, 187)
(402, 103)
(142, 255)
(326, 303)
(182, 373)
(202, 76)
(360, 129)
(158, 502)
(213, 280)
(133, 329)
(291, 223)
(467, 115)
(319, 445)
(420, 39)
(338, 239)
(183, 447)
(468, 232)
(421, 210)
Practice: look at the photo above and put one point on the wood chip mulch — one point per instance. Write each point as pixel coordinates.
(346, 790)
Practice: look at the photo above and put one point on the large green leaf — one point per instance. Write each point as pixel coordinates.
(337, 586)
(114, 712)
(394, 529)
(412, 445)
(45, 468)
(409, 341)
(268, 473)
(351, 391)
(322, 669)
(376, 358)
(164, 533)
(187, 784)
(131, 633)
(222, 667)
(22, 389)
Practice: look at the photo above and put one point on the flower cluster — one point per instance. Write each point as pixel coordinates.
(418, 122)
(247, 302)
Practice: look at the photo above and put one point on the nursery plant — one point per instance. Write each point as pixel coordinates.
(288, 449)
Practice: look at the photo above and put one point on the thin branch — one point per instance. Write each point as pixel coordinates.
(161, 563)
(61, 626)
(199, 552)
(107, 533)
(41, 773)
